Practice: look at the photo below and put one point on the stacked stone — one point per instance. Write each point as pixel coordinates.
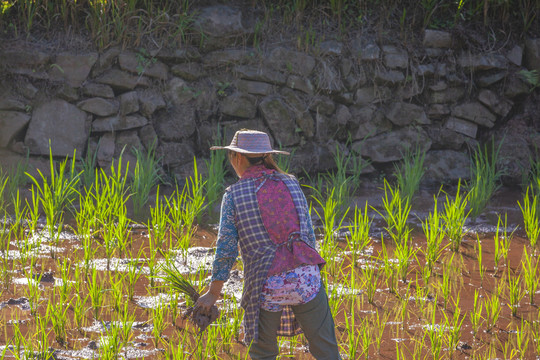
(366, 97)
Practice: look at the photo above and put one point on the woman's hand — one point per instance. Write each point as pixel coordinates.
(205, 302)
(209, 298)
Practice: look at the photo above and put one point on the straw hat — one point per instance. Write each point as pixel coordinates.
(250, 142)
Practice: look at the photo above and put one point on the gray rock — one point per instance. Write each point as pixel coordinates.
(149, 137)
(296, 82)
(403, 114)
(121, 80)
(254, 87)
(446, 166)
(24, 57)
(395, 58)
(515, 86)
(105, 151)
(116, 123)
(392, 77)
(256, 73)
(98, 90)
(47, 119)
(532, 54)
(322, 104)
(345, 67)
(143, 64)
(74, 69)
(150, 100)
(432, 69)
(438, 111)
(190, 71)
(178, 56)
(437, 39)
(99, 106)
(476, 113)
(391, 145)
(436, 52)
(482, 62)
(488, 80)
(368, 95)
(439, 86)
(446, 96)
(11, 104)
(327, 78)
(346, 98)
(280, 119)
(10, 161)
(515, 155)
(179, 92)
(220, 21)
(27, 90)
(444, 138)
(68, 93)
(499, 105)
(343, 115)
(294, 62)
(127, 141)
(239, 105)
(462, 126)
(106, 60)
(228, 57)
(175, 124)
(33, 73)
(11, 123)
(293, 99)
(515, 56)
(368, 121)
(175, 154)
(306, 124)
(330, 47)
(129, 103)
(365, 51)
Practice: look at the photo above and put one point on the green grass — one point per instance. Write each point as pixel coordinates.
(410, 172)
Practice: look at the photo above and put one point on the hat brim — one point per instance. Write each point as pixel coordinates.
(243, 151)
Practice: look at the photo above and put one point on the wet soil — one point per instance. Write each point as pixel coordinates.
(401, 315)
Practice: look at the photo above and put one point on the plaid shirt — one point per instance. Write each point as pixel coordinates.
(258, 250)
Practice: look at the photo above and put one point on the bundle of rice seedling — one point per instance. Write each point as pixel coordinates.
(178, 282)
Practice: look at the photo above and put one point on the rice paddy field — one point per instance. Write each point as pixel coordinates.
(411, 273)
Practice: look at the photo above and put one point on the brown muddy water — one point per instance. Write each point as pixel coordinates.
(399, 320)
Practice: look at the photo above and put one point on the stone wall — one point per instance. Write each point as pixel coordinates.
(363, 95)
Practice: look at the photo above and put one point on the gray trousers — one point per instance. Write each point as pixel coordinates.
(315, 320)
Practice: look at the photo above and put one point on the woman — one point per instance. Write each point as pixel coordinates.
(266, 214)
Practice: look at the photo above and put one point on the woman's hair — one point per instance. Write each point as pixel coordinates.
(266, 159)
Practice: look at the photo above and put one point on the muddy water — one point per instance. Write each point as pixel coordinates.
(403, 313)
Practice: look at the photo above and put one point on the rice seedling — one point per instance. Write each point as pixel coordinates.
(502, 241)
(79, 310)
(17, 178)
(33, 291)
(20, 214)
(435, 333)
(530, 273)
(158, 321)
(409, 174)
(454, 218)
(390, 270)
(216, 175)
(87, 168)
(492, 306)
(127, 322)
(370, 277)
(109, 344)
(331, 222)
(66, 285)
(3, 183)
(434, 232)
(484, 177)
(95, 292)
(158, 222)
(56, 193)
(531, 216)
(196, 205)
(515, 291)
(453, 327)
(445, 286)
(57, 314)
(479, 259)
(380, 325)
(44, 351)
(475, 315)
(396, 213)
(365, 339)
(116, 282)
(521, 338)
(145, 177)
(404, 252)
(358, 237)
(133, 274)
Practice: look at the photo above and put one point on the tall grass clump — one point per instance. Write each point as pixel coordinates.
(145, 177)
(485, 177)
(358, 238)
(411, 171)
(217, 170)
(56, 192)
(530, 209)
(454, 216)
(434, 231)
(396, 210)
